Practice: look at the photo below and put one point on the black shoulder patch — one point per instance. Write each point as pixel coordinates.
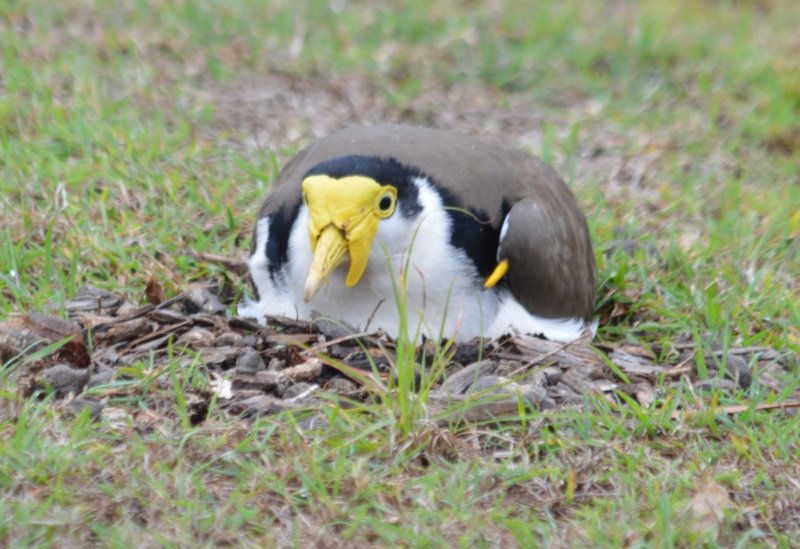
(386, 171)
(473, 232)
(280, 227)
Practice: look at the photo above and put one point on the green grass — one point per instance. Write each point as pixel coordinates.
(117, 164)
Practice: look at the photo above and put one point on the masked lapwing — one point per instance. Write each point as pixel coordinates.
(475, 238)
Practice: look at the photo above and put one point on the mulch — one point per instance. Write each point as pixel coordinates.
(91, 357)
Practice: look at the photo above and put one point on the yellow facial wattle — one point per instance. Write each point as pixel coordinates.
(344, 215)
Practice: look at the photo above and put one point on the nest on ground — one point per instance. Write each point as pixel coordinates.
(289, 365)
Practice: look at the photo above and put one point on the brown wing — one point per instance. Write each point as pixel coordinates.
(551, 264)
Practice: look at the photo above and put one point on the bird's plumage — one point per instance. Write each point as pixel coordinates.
(464, 204)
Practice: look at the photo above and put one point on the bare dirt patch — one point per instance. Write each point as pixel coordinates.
(280, 110)
(279, 113)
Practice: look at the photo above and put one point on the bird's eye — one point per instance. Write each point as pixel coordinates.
(385, 202)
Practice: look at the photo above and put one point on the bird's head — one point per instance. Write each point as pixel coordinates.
(344, 215)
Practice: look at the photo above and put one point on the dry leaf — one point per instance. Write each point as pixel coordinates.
(706, 510)
(154, 291)
(33, 331)
(645, 395)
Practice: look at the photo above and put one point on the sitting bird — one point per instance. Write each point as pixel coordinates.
(472, 238)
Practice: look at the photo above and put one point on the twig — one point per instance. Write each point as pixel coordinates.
(739, 408)
(326, 344)
(744, 351)
(374, 312)
(680, 368)
(138, 314)
(235, 264)
(541, 358)
(730, 351)
(171, 329)
(363, 378)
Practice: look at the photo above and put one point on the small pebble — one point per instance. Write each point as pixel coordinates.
(202, 299)
(276, 382)
(467, 353)
(553, 374)
(64, 380)
(536, 377)
(196, 338)
(231, 339)
(547, 404)
(333, 329)
(342, 351)
(316, 422)
(300, 388)
(257, 405)
(264, 381)
(716, 383)
(250, 361)
(507, 367)
(341, 385)
(739, 371)
(536, 396)
(253, 341)
(494, 384)
(100, 378)
(77, 405)
(126, 309)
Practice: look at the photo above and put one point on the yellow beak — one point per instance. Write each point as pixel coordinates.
(342, 222)
(329, 253)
